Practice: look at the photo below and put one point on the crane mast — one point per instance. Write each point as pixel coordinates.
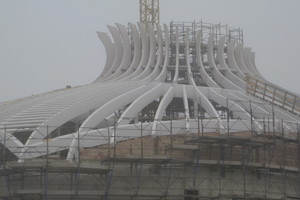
(149, 11)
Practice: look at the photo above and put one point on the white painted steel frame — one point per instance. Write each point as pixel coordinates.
(137, 73)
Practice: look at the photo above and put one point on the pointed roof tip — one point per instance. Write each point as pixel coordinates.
(102, 35)
(110, 27)
(99, 33)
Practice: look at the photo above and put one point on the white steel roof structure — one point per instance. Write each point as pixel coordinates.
(153, 75)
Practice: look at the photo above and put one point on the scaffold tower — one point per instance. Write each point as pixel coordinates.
(149, 11)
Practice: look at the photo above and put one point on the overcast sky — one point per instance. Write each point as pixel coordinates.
(46, 45)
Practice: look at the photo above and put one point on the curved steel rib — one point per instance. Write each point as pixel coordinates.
(218, 76)
(118, 51)
(137, 52)
(162, 76)
(159, 58)
(206, 78)
(145, 53)
(152, 53)
(110, 53)
(227, 72)
(126, 59)
(232, 62)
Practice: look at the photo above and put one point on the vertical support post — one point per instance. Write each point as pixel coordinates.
(284, 99)
(171, 132)
(141, 163)
(78, 163)
(283, 160)
(239, 34)
(244, 172)
(59, 134)
(170, 164)
(196, 108)
(264, 125)
(264, 92)
(242, 33)
(108, 143)
(4, 149)
(4, 164)
(111, 169)
(108, 175)
(197, 165)
(220, 168)
(202, 116)
(142, 141)
(294, 103)
(228, 115)
(47, 143)
(255, 87)
(273, 119)
(115, 137)
(251, 118)
(198, 124)
(78, 146)
(45, 169)
(265, 175)
(298, 139)
(274, 95)
(244, 180)
(269, 124)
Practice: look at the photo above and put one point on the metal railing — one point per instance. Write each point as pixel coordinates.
(273, 94)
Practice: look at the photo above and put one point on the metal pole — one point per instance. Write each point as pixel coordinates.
(227, 116)
(111, 168)
(201, 116)
(269, 124)
(244, 172)
(78, 145)
(78, 163)
(283, 160)
(4, 150)
(47, 142)
(196, 167)
(198, 123)
(45, 170)
(142, 145)
(59, 134)
(108, 175)
(4, 165)
(273, 118)
(171, 133)
(108, 142)
(251, 116)
(170, 164)
(141, 163)
(264, 125)
(298, 138)
(115, 137)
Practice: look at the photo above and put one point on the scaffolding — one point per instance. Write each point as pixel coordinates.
(149, 11)
(273, 94)
(218, 30)
(235, 162)
(205, 29)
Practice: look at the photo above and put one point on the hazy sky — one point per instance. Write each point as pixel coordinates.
(48, 44)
